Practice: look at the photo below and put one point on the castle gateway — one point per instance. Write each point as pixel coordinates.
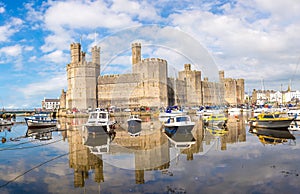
(148, 84)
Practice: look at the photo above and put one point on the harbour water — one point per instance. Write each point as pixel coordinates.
(71, 160)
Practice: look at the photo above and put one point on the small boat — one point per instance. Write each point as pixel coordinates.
(99, 121)
(180, 122)
(170, 112)
(294, 113)
(216, 120)
(234, 111)
(271, 121)
(294, 126)
(4, 122)
(40, 120)
(134, 125)
(270, 136)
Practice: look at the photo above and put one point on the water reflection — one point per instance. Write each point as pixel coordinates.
(154, 159)
(41, 134)
(273, 136)
(3, 132)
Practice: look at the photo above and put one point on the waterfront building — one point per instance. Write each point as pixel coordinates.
(50, 104)
(147, 85)
(261, 97)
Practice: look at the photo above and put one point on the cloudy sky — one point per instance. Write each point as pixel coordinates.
(252, 39)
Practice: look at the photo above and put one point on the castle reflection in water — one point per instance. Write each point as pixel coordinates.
(151, 150)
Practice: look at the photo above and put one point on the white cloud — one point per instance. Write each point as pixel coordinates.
(14, 51)
(2, 9)
(247, 31)
(143, 10)
(56, 57)
(40, 88)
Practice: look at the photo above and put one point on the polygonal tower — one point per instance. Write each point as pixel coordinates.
(82, 79)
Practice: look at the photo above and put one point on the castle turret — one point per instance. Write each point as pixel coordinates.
(96, 59)
(136, 56)
(136, 52)
(75, 52)
(221, 76)
(187, 67)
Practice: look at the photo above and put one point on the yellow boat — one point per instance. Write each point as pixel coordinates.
(271, 121)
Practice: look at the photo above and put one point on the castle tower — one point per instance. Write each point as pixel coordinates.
(240, 95)
(193, 85)
(136, 56)
(75, 52)
(221, 76)
(96, 56)
(82, 80)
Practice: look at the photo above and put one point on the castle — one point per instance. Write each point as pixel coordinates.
(147, 85)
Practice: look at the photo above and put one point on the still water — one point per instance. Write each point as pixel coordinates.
(205, 160)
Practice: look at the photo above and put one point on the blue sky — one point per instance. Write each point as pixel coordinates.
(251, 39)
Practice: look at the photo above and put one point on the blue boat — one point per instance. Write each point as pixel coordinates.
(40, 120)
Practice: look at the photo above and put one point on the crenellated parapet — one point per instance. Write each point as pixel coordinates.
(154, 60)
(136, 44)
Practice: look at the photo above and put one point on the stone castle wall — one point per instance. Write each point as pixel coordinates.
(148, 85)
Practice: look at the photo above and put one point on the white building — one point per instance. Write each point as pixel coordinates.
(50, 104)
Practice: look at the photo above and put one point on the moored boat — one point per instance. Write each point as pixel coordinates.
(180, 122)
(99, 121)
(170, 112)
(40, 120)
(271, 121)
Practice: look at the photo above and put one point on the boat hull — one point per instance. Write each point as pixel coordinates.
(33, 124)
(276, 124)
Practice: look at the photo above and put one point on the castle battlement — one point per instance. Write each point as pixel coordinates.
(136, 44)
(154, 60)
(75, 45)
(82, 64)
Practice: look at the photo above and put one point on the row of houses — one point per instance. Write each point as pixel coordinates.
(261, 97)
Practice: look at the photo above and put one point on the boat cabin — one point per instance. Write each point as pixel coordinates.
(98, 117)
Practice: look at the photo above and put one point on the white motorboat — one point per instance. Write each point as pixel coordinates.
(234, 111)
(180, 122)
(99, 121)
(170, 112)
(294, 113)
